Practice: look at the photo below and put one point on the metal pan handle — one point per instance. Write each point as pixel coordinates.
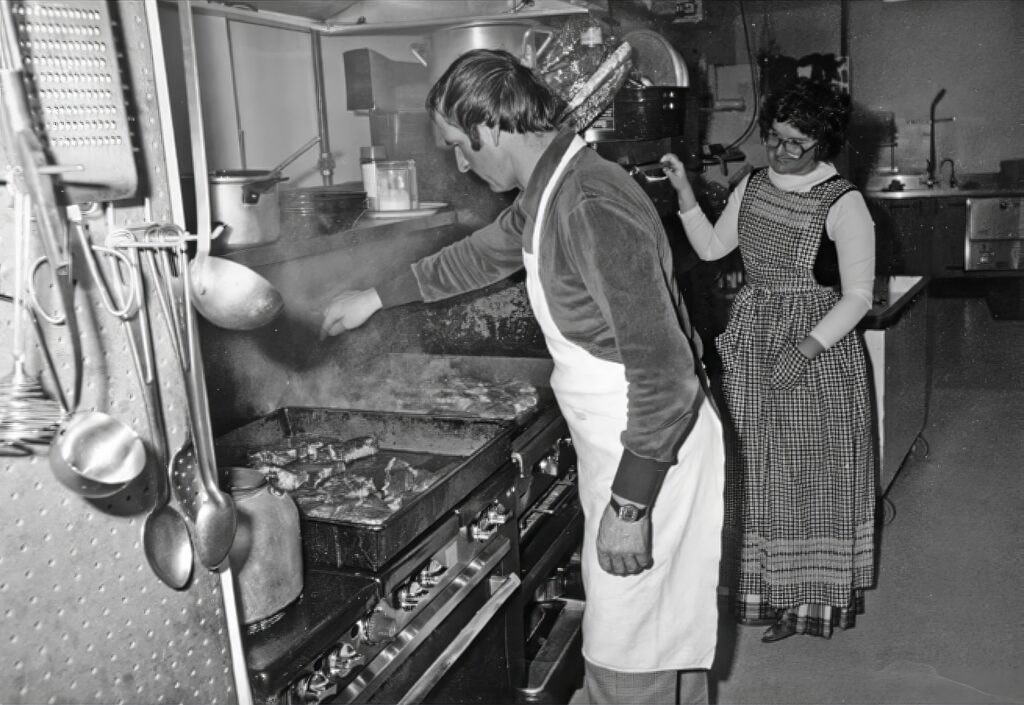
(650, 173)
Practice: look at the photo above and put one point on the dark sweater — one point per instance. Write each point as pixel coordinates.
(606, 269)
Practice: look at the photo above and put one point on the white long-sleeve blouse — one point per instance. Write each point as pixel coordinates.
(848, 225)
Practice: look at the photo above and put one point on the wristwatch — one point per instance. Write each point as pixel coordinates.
(627, 512)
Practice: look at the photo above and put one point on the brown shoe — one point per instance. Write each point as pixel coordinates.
(785, 626)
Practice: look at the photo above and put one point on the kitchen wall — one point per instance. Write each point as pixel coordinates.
(905, 52)
(259, 100)
(900, 55)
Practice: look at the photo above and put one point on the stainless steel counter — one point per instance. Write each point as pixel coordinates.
(945, 192)
(906, 186)
(895, 335)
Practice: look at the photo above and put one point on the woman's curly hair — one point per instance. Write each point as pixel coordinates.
(817, 109)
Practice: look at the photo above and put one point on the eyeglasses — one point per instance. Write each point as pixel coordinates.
(795, 148)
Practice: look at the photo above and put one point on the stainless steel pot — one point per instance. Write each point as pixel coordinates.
(517, 37)
(247, 202)
(267, 551)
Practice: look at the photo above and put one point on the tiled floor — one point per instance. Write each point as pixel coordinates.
(946, 621)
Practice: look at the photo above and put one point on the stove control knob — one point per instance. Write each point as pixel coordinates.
(409, 596)
(379, 626)
(313, 689)
(548, 465)
(430, 576)
(482, 530)
(497, 514)
(342, 660)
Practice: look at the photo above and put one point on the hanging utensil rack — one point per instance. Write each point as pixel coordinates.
(85, 618)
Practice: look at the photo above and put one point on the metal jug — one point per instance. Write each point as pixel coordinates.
(266, 555)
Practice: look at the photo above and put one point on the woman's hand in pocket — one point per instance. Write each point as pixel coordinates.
(789, 368)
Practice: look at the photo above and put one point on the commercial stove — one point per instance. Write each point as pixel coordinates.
(452, 597)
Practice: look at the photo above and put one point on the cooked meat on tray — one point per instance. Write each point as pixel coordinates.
(310, 449)
(348, 480)
(481, 399)
(449, 395)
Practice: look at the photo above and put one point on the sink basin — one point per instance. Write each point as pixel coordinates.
(915, 186)
(896, 182)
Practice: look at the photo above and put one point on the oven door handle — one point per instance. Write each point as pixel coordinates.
(384, 664)
(499, 596)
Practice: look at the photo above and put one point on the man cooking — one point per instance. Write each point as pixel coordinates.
(627, 374)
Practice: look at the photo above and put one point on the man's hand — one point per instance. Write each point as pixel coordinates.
(624, 548)
(348, 310)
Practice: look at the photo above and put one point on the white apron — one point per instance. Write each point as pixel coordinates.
(666, 617)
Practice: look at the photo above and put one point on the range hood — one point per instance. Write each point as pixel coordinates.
(365, 17)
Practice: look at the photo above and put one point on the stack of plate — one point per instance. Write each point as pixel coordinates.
(320, 210)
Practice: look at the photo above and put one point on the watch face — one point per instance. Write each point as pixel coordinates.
(628, 512)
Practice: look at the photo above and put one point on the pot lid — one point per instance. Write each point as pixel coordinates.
(656, 59)
(249, 174)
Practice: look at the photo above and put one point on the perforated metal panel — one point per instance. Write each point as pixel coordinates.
(83, 619)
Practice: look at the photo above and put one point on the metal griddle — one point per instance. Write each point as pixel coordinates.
(464, 451)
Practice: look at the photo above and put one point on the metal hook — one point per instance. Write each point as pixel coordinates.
(55, 320)
(90, 250)
(125, 291)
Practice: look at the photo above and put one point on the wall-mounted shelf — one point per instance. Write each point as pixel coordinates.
(373, 17)
(287, 248)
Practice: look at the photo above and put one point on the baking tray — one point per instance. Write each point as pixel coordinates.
(463, 451)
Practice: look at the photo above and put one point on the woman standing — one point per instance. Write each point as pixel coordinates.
(800, 498)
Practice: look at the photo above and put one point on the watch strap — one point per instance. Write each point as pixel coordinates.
(627, 512)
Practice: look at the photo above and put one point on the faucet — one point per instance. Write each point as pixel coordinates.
(932, 176)
(953, 183)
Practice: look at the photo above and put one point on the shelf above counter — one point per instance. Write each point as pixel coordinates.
(286, 248)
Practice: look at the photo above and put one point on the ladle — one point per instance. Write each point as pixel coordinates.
(95, 454)
(228, 294)
(165, 537)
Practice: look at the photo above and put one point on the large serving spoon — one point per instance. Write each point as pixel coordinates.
(165, 537)
(216, 516)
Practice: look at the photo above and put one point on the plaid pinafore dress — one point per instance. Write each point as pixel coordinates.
(800, 486)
